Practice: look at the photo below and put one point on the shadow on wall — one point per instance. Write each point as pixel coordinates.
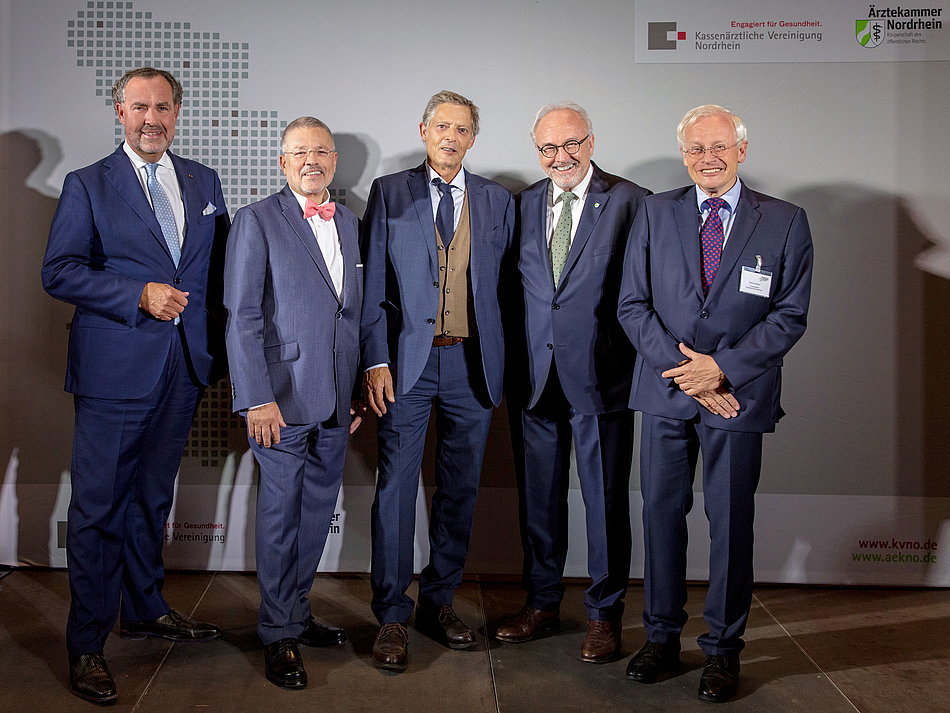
(37, 420)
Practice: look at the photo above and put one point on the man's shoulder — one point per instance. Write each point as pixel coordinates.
(474, 181)
(617, 185)
(192, 166)
(766, 203)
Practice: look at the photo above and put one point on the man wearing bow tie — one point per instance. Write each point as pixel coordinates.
(715, 292)
(293, 292)
(136, 244)
(433, 238)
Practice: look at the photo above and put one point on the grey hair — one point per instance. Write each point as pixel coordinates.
(548, 108)
(118, 89)
(447, 97)
(303, 122)
(705, 111)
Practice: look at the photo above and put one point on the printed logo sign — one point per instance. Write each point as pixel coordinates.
(658, 35)
(869, 33)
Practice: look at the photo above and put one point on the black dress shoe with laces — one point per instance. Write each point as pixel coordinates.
(283, 664)
(172, 626)
(443, 625)
(91, 680)
(316, 634)
(720, 679)
(652, 660)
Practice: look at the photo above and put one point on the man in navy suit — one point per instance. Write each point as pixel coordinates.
(137, 244)
(293, 290)
(715, 292)
(573, 228)
(433, 241)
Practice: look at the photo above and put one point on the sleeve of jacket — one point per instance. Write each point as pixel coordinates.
(73, 273)
(637, 316)
(245, 274)
(767, 342)
(374, 239)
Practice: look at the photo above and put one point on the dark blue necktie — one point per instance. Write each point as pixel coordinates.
(445, 216)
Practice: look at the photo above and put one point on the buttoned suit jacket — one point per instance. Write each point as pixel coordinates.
(105, 244)
(401, 283)
(662, 304)
(575, 323)
(291, 339)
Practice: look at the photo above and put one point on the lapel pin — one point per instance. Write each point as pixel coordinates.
(597, 205)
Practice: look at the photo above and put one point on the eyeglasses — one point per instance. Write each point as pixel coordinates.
(717, 150)
(301, 154)
(572, 147)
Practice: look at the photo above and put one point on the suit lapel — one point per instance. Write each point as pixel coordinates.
(534, 227)
(747, 216)
(304, 233)
(191, 199)
(349, 244)
(477, 205)
(594, 205)
(419, 191)
(687, 225)
(120, 172)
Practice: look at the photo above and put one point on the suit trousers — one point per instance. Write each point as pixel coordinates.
(126, 454)
(669, 451)
(453, 383)
(603, 451)
(299, 483)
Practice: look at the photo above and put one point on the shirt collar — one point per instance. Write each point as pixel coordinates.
(139, 162)
(580, 190)
(458, 181)
(731, 197)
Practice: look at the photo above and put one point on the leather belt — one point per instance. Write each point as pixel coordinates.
(446, 341)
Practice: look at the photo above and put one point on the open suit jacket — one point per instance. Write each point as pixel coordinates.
(662, 304)
(290, 338)
(105, 244)
(401, 298)
(576, 322)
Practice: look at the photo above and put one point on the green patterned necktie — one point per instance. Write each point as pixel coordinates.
(561, 239)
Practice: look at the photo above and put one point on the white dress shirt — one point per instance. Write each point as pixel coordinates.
(577, 207)
(328, 240)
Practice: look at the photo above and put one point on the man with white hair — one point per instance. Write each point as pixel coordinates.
(715, 292)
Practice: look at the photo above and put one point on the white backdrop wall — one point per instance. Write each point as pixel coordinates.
(855, 483)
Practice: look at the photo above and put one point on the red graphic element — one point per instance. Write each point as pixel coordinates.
(681, 35)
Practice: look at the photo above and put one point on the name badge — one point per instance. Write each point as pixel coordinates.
(755, 280)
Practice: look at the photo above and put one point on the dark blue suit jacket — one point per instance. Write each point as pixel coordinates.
(290, 338)
(662, 304)
(593, 356)
(105, 244)
(401, 287)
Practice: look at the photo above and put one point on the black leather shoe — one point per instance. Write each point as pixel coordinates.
(652, 660)
(172, 626)
(91, 680)
(315, 634)
(283, 664)
(444, 625)
(720, 678)
(391, 648)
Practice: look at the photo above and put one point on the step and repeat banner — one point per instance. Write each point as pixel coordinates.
(846, 105)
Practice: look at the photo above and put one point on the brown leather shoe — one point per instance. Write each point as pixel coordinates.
(527, 624)
(444, 625)
(391, 648)
(602, 642)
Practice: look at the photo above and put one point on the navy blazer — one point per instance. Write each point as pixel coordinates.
(401, 288)
(291, 338)
(105, 244)
(576, 323)
(662, 304)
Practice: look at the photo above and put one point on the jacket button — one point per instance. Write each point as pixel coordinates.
(704, 314)
(177, 280)
(555, 306)
(339, 315)
(430, 321)
(550, 346)
(435, 284)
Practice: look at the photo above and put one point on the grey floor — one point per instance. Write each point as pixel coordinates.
(818, 650)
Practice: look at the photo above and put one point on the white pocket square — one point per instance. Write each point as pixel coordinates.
(209, 209)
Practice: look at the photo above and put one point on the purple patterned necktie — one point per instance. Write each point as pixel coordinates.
(711, 237)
